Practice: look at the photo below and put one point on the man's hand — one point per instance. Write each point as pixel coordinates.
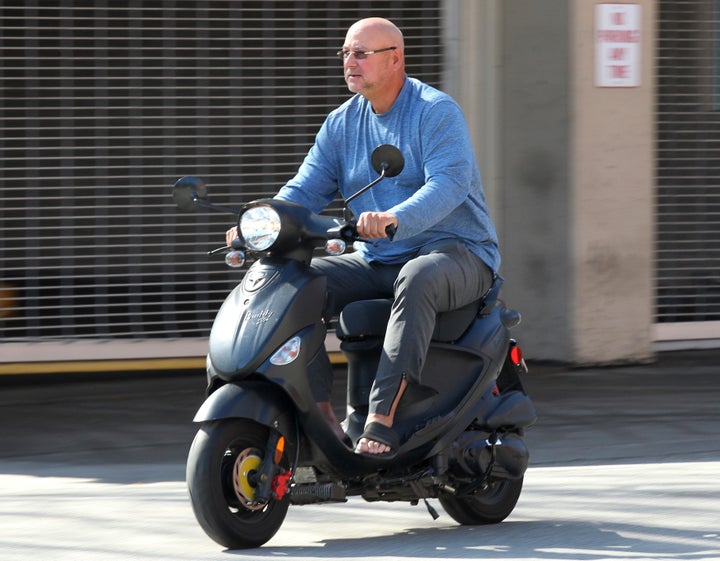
(230, 235)
(372, 225)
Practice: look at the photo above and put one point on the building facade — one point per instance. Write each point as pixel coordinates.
(595, 124)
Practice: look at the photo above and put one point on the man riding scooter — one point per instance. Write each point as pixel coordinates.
(443, 253)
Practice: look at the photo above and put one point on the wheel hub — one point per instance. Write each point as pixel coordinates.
(246, 465)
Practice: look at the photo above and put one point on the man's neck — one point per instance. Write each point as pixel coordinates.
(383, 104)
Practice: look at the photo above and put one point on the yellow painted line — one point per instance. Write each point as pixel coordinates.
(337, 358)
(85, 366)
(75, 366)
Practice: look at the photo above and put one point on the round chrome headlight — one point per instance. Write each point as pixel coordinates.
(260, 227)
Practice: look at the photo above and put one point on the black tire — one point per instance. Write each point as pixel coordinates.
(485, 507)
(219, 449)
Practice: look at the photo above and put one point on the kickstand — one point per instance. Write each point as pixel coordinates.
(431, 510)
(422, 493)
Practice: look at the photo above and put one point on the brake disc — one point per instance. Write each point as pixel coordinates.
(246, 464)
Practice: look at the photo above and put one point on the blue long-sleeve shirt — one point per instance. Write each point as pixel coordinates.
(438, 195)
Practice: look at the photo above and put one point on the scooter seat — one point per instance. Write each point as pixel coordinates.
(366, 319)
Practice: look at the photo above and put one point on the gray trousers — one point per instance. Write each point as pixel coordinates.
(441, 277)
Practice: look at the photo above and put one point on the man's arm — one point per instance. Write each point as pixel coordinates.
(449, 166)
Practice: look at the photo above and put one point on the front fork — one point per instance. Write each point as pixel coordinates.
(271, 480)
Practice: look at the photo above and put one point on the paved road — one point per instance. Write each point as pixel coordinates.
(625, 465)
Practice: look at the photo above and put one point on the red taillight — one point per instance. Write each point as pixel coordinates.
(516, 356)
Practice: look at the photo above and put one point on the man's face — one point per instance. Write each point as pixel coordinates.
(368, 74)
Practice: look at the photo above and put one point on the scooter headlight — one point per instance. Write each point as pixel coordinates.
(260, 227)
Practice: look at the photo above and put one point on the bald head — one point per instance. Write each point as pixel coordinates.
(379, 29)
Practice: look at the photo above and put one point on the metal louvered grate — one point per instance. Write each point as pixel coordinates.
(104, 107)
(688, 161)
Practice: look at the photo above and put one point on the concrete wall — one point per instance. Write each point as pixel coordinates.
(472, 77)
(568, 169)
(612, 176)
(536, 217)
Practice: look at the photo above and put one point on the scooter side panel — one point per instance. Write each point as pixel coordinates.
(273, 302)
(485, 345)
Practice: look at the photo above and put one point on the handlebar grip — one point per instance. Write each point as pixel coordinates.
(390, 230)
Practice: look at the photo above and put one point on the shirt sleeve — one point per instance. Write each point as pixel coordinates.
(448, 166)
(315, 184)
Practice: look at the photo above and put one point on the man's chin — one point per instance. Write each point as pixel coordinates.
(353, 84)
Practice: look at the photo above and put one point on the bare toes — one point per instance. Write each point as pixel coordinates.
(371, 447)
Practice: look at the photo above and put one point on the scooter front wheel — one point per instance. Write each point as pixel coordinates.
(220, 466)
(489, 506)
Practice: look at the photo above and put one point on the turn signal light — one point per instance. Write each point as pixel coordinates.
(235, 259)
(335, 247)
(287, 353)
(279, 449)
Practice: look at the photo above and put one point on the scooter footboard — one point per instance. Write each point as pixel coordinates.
(261, 402)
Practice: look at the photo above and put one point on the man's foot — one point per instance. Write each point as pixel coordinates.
(378, 439)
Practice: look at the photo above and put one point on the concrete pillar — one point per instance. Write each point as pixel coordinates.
(611, 169)
(471, 69)
(576, 180)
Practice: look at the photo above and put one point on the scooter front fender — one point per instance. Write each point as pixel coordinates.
(260, 401)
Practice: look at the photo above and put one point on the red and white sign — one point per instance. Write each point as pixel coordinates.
(617, 45)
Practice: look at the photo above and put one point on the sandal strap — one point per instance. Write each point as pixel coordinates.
(382, 434)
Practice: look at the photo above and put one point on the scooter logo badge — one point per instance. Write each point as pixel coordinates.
(259, 317)
(255, 280)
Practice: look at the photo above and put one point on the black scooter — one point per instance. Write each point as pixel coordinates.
(263, 444)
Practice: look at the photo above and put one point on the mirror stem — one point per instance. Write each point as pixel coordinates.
(202, 202)
(368, 186)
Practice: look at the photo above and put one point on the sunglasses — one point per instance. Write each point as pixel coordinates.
(361, 55)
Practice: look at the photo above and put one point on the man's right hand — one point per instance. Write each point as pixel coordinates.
(230, 235)
(373, 225)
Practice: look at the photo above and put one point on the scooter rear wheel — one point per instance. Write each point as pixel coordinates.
(220, 463)
(490, 506)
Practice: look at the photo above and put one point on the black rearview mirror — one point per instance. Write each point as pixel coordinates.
(187, 190)
(387, 157)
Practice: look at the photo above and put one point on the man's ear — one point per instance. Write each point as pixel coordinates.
(397, 55)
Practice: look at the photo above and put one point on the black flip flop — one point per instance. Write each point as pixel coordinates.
(382, 434)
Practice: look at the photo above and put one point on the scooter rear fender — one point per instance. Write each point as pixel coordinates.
(258, 401)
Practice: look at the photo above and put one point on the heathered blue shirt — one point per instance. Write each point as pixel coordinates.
(438, 195)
